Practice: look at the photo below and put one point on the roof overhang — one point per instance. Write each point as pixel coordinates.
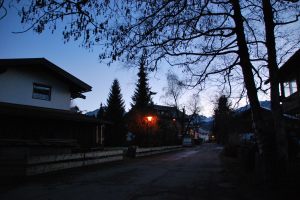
(290, 69)
(77, 87)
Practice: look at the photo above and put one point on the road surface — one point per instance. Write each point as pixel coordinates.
(192, 173)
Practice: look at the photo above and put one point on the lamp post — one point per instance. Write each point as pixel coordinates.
(149, 119)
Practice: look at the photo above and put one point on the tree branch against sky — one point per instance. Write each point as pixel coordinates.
(198, 36)
(271, 21)
(221, 41)
(173, 90)
(172, 31)
(3, 10)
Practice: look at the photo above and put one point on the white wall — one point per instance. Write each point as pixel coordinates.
(16, 85)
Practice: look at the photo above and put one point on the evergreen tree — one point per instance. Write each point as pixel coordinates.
(115, 104)
(141, 106)
(115, 133)
(222, 115)
(142, 95)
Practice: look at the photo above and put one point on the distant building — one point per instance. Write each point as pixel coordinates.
(172, 122)
(204, 134)
(191, 124)
(289, 77)
(169, 112)
(200, 128)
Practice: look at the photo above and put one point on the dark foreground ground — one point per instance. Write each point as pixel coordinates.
(194, 173)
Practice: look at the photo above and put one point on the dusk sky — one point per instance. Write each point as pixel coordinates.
(84, 64)
(81, 62)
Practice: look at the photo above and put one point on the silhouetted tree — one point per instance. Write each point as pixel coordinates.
(173, 93)
(173, 90)
(115, 133)
(276, 16)
(192, 107)
(141, 106)
(269, 13)
(211, 37)
(3, 10)
(142, 95)
(222, 120)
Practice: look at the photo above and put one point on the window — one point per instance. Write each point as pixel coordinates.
(293, 86)
(290, 88)
(41, 91)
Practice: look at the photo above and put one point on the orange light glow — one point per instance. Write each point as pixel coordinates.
(149, 118)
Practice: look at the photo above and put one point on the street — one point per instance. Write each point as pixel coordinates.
(192, 173)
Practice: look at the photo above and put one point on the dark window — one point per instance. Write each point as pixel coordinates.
(41, 91)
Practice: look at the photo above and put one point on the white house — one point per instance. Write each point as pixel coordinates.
(38, 82)
(203, 134)
(36, 119)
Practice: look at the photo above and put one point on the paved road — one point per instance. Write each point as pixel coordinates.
(194, 173)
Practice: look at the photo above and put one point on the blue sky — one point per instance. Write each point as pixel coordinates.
(84, 64)
(81, 62)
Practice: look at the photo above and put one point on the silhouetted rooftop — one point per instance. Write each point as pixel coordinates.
(290, 67)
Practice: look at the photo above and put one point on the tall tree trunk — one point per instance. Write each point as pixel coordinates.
(264, 137)
(278, 123)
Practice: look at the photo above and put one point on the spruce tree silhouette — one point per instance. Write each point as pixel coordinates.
(115, 133)
(222, 116)
(142, 95)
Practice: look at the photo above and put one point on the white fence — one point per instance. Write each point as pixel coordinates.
(22, 164)
(43, 164)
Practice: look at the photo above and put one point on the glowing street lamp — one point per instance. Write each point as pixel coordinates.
(149, 118)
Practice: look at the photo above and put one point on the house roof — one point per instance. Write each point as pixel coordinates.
(164, 108)
(171, 110)
(247, 110)
(77, 86)
(290, 68)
